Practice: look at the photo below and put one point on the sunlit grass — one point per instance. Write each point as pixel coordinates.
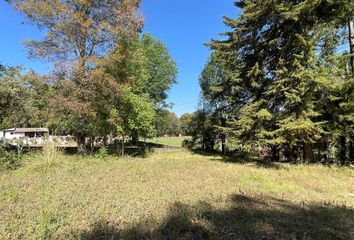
(175, 194)
(168, 141)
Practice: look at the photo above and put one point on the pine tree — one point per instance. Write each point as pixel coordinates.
(276, 51)
(214, 80)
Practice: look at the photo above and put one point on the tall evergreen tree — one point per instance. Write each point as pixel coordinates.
(214, 81)
(275, 52)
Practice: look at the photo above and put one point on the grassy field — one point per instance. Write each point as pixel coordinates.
(168, 141)
(175, 195)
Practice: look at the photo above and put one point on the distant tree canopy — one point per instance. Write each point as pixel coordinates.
(167, 123)
(186, 124)
(108, 77)
(143, 64)
(162, 70)
(78, 31)
(24, 98)
(277, 85)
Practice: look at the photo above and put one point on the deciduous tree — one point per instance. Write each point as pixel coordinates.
(77, 34)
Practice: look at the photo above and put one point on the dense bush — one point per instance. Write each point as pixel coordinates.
(9, 159)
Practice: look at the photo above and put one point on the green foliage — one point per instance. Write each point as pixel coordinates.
(167, 123)
(144, 64)
(116, 89)
(133, 116)
(278, 82)
(24, 98)
(186, 124)
(102, 153)
(104, 82)
(9, 159)
(203, 132)
(216, 84)
(145, 71)
(84, 92)
(161, 69)
(137, 114)
(127, 64)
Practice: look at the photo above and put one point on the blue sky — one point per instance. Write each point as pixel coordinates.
(183, 25)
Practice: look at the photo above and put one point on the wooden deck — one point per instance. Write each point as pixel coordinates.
(71, 145)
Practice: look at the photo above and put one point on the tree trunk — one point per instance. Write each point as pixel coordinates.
(342, 150)
(324, 152)
(351, 149)
(351, 43)
(81, 145)
(123, 145)
(275, 154)
(351, 47)
(223, 144)
(105, 141)
(203, 144)
(287, 153)
(223, 135)
(135, 138)
(91, 144)
(307, 153)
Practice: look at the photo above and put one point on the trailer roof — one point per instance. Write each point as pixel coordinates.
(26, 130)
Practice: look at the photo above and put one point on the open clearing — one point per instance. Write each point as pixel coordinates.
(175, 195)
(168, 141)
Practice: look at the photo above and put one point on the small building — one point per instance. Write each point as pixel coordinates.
(17, 133)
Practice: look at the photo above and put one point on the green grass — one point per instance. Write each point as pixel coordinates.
(168, 141)
(175, 195)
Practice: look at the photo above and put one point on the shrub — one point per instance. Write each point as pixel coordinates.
(114, 149)
(189, 144)
(50, 155)
(9, 159)
(102, 153)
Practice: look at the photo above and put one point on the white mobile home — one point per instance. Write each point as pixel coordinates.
(17, 133)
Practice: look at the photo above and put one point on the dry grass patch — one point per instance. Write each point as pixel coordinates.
(175, 195)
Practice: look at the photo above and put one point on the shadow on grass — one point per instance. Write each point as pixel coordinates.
(239, 158)
(242, 217)
(140, 149)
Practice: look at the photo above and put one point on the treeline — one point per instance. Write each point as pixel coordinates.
(280, 85)
(108, 77)
(168, 123)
